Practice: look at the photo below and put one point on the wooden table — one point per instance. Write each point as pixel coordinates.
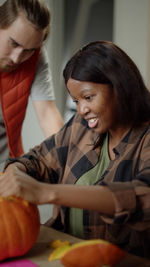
(40, 252)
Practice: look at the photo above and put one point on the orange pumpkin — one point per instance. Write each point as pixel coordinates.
(19, 226)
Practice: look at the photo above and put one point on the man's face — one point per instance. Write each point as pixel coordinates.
(18, 43)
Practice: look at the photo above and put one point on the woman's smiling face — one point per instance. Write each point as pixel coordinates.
(96, 103)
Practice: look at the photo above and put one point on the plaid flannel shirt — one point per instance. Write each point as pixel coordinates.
(67, 155)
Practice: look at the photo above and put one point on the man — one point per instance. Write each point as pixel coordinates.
(24, 26)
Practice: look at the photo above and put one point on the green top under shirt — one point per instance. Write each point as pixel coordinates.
(89, 178)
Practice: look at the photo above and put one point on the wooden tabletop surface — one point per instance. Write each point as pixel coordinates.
(40, 252)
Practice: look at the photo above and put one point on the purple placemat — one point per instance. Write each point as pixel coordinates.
(18, 263)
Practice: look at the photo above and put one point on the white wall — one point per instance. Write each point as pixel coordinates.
(131, 29)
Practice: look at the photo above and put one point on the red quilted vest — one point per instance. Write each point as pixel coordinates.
(15, 89)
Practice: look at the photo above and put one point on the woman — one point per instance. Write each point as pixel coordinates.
(97, 168)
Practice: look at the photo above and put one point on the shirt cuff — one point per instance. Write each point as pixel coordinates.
(29, 168)
(125, 202)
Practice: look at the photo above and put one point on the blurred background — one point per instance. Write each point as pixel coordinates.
(74, 23)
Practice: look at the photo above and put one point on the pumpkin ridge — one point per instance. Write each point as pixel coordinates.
(19, 226)
(3, 231)
(7, 220)
(24, 214)
(13, 228)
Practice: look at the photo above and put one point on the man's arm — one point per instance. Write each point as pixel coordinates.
(49, 117)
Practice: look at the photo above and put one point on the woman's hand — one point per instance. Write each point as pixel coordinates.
(15, 181)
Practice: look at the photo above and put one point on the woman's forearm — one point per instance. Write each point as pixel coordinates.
(86, 197)
(15, 181)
